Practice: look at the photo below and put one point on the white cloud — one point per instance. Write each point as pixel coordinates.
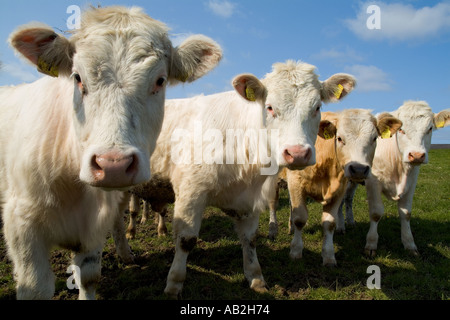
(179, 38)
(19, 71)
(345, 55)
(370, 78)
(223, 8)
(402, 22)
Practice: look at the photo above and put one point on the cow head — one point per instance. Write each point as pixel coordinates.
(419, 122)
(120, 62)
(293, 104)
(355, 133)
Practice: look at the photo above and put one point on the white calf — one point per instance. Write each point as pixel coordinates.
(260, 138)
(396, 168)
(65, 142)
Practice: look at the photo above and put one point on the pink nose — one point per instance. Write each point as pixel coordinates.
(114, 169)
(416, 157)
(297, 156)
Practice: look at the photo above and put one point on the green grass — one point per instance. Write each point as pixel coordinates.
(215, 268)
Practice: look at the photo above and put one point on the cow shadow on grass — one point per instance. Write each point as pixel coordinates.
(215, 266)
(403, 275)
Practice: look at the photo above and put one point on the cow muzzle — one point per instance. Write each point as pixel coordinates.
(356, 172)
(114, 169)
(416, 157)
(298, 156)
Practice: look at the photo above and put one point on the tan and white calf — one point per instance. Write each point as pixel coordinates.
(237, 178)
(396, 168)
(345, 152)
(69, 140)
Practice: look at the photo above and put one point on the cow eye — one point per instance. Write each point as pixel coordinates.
(318, 109)
(431, 129)
(270, 110)
(161, 81)
(77, 78)
(340, 140)
(401, 131)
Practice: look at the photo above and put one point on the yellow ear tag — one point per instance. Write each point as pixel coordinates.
(44, 67)
(338, 91)
(250, 94)
(440, 124)
(183, 77)
(386, 134)
(327, 134)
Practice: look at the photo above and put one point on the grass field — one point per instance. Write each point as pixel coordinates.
(215, 268)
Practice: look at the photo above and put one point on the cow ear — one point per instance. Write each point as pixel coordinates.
(388, 125)
(442, 119)
(250, 88)
(337, 87)
(327, 129)
(49, 52)
(194, 58)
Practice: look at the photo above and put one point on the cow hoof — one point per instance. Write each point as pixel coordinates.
(259, 286)
(162, 232)
(295, 256)
(174, 291)
(414, 252)
(330, 263)
(340, 231)
(273, 230)
(371, 252)
(128, 259)
(130, 235)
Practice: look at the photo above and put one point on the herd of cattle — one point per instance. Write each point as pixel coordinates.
(76, 145)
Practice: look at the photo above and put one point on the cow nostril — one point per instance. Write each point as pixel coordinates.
(133, 167)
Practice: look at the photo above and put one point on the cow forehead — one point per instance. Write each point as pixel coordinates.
(130, 32)
(117, 18)
(294, 81)
(355, 123)
(415, 114)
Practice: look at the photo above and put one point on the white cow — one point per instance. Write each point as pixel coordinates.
(67, 142)
(396, 168)
(203, 171)
(345, 151)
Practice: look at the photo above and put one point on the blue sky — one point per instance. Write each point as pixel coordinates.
(408, 58)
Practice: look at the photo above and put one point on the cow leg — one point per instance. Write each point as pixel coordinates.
(299, 216)
(162, 228)
(348, 202)
(29, 252)
(329, 217)
(404, 211)
(120, 240)
(273, 205)
(299, 213)
(89, 264)
(134, 210)
(246, 228)
(376, 211)
(145, 212)
(186, 224)
(160, 210)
